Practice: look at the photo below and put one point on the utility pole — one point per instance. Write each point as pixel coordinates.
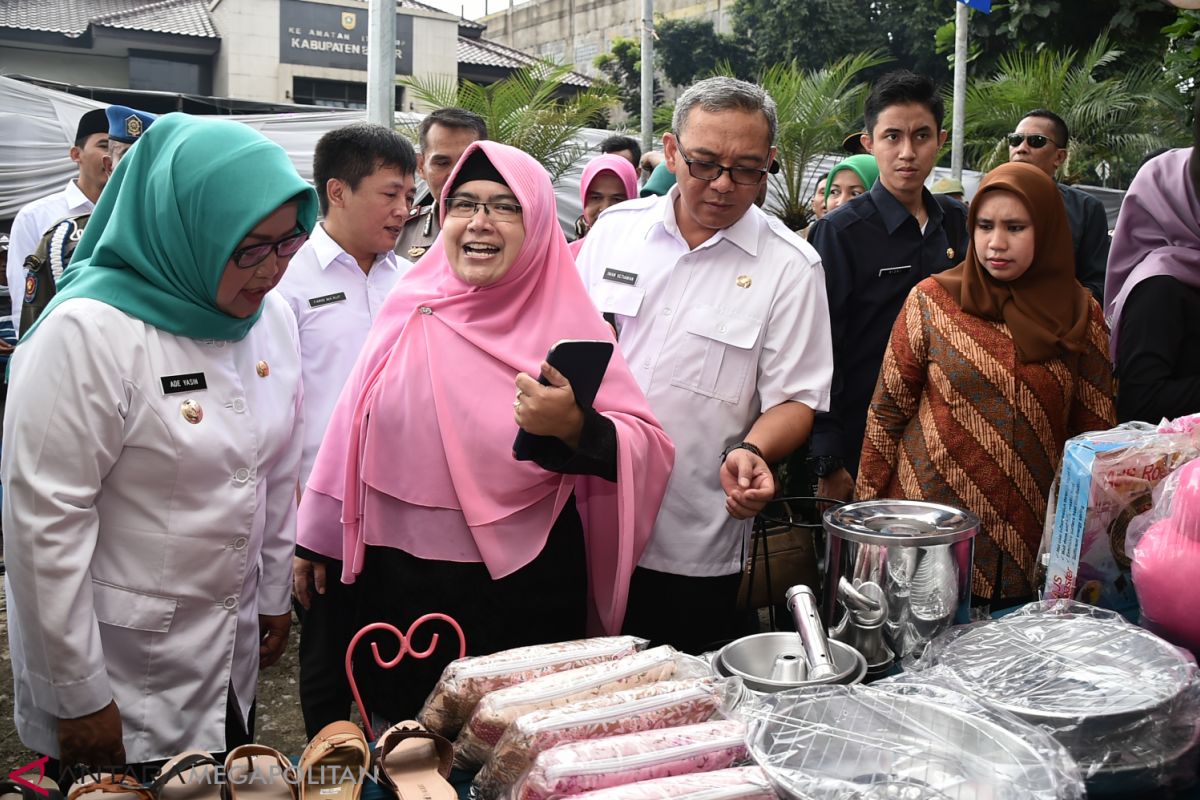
(381, 62)
(647, 75)
(960, 90)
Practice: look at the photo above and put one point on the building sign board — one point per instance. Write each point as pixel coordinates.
(321, 35)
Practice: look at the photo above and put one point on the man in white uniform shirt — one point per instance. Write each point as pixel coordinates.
(79, 196)
(336, 286)
(721, 314)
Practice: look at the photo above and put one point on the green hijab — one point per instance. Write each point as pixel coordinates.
(170, 217)
(863, 165)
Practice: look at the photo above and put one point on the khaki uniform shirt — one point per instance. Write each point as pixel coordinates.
(419, 232)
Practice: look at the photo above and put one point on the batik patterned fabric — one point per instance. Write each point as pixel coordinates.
(957, 418)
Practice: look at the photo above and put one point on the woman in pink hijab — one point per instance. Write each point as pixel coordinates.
(607, 180)
(415, 494)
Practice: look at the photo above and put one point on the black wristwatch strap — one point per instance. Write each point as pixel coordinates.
(741, 446)
(824, 466)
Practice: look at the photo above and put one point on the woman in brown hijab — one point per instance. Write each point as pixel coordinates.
(991, 367)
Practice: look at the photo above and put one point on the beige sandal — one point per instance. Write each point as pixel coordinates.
(193, 775)
(415, 763)
(258, 772)
(335, 763)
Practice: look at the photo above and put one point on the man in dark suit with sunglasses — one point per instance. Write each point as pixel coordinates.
(1041, 139)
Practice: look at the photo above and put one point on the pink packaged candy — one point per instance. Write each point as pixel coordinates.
(497, 710)
(667, 704)
(738, 783)
(465, 681)
(578, 767)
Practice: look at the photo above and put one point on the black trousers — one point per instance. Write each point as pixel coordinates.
(325, 633)
(691, 614)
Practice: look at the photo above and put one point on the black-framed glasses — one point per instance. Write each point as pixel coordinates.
(255, 254)
(464, 209)
(710, 170)
(1036, 140)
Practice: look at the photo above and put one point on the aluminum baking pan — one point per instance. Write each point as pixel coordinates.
(752, 658)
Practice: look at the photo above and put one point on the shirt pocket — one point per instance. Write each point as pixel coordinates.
(717, 353)
(615, 298)
(128, 608)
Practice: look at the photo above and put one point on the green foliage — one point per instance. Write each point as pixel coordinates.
(527, 110)
(1116, 113)
(689, 49)
(1182, 59)
(808, 33)
(622, 66)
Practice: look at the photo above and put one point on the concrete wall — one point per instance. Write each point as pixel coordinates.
(68, 66)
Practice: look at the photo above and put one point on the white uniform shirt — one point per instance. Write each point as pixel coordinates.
(141, 547)
(334, 302)
(715, 337)
(28, 227)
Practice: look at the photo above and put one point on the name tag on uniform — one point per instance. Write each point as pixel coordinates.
(627, 278)
(324, 300)
(192, 382)
(895, 270)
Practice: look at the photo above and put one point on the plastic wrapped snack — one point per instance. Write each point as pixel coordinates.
(465, 681)
(498, 709)
(736, 783)
(666, 704)
(585, 766)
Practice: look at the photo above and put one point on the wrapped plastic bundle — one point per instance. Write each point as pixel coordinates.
(498, 709)
(1123, 702)
(579, 767)
(1105, 480)
(466, 680)
(1166, 559)
(903, 740)
(666, 704)
(736, 783)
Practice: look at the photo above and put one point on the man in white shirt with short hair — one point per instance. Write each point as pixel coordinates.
(721, 314)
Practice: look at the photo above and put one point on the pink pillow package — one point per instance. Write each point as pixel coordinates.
(738, 783)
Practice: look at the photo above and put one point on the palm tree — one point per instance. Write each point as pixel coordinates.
(816, 110)
(527, 110)
(1114, 115)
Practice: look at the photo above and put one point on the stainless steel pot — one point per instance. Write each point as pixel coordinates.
(897, 573)
(755, 659)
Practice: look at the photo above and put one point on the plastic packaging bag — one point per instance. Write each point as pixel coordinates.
(1106, 479)
(735, 783)
(1122, 701)
(1164, 545)
(666, 704)
(498, 709)
(578, 767)
(466, 680)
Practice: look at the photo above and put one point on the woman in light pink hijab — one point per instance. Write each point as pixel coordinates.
(607, 180)
(415, 494)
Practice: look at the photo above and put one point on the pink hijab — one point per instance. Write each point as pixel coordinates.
(1158, 233)
(426, 416)
(617, 165)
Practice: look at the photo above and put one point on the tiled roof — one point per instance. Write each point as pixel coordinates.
(72, 18)
(482, 53)
(463, 22)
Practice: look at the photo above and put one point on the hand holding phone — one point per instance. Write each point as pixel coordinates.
(582, 363)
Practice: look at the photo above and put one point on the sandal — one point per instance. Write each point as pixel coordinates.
(335, 763)
(108, 786)
(415, 763)
(258, 772)
(30, 787)
(193, 775)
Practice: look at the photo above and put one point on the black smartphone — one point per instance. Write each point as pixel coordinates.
(583, 362)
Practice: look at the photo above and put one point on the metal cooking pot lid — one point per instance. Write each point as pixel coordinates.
(1067, 666)
(901, 522)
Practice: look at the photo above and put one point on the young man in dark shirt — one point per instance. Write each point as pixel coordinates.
(875, 249)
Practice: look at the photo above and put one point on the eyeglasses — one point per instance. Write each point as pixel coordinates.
(1036, 140)
(710, 171)
(464, 209)
(255, 254)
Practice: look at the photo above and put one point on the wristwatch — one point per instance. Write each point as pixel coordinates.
(824, 466)
(741, 446)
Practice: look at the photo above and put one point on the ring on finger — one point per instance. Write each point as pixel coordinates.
(517, 403)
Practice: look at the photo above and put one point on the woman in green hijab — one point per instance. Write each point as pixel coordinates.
(151, 452)
(848, 179)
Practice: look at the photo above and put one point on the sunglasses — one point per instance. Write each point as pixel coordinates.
(255, 254)
(1036, 140)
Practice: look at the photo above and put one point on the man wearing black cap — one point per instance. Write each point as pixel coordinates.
(78, 197)
(53, 252)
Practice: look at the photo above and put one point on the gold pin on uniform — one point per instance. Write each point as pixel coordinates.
(416, 251)
(949, 252)
(191, 411)
(744, 281)
(262, 369)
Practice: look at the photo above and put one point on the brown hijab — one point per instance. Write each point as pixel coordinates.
(1046, 309)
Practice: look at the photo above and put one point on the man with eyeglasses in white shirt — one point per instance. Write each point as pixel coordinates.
(721, 313)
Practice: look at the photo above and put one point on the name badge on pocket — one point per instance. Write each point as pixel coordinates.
(894, 270)
(616, 275)
(191, 382)
(324, 300)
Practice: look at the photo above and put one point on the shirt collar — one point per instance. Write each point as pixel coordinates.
(893, 213)
(76, 199)
(328, 251)
(744, 233)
